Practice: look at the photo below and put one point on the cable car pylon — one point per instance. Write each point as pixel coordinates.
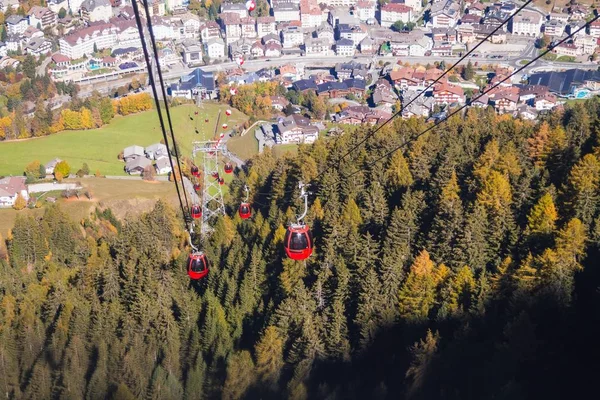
(212, 196)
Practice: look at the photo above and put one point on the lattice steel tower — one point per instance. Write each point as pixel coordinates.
(212, 196)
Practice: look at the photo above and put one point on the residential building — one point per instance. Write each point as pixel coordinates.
(505, 101)
(594, 29)
(526, 23)
(554, 28)
(191, 25)
(384, 93)
(295, 129)
(214, 48)
(393, 12)
(131, 153)
(416, 5)
(13, 42)
(209, 30)
(192, 52)
(341, 16)
(42, 16)
(248, 27)
(38, 46)
(3, 49)
(368, 46)
(74, 6)
(546, 101)
(241, 47)
(292, 36)
(567, 49)
(271, 38)
(316, 46)
(81, 42)
(265, 26)
(359, 115)
(365, 9)
(10, 188)
(232, 27)
(163, 166)
(49, 167)
(445, 14)
(96, 10)
(325, 31)
(284, 12)
(586, 44)
(310, 13)
(279, 102)
(137, 165)
(447, 94)
(529, 92)
(476, 8)
(355, 33)
(16, 24)
(344, 47)
(273, 49)
(257, 49)
(304, 85)
(156, 151)
(235, 8)
(562, 17)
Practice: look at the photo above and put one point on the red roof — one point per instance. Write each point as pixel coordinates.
(60, 58)
(395, 7)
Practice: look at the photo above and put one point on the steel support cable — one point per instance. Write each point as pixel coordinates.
(389, 153)
(164, 94)
(404, 106)
(157, 102)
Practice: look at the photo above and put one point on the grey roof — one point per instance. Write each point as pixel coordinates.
(52, 163)
(565, 81)
(305, 84)
(15, 19)
(156, 147)
(140, 162)
(198, 78)
(344, 42)
(92, 4)
(162, 163)
(133, 151)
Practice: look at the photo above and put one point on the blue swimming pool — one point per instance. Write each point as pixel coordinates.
(94, 66)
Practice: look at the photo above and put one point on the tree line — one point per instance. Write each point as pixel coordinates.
(461, 267)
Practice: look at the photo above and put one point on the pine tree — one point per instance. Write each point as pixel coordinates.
(447, 224)
(269, 357)
(584, 181)
(423, 364)
(240, 375)
(416, 297)
(397, 173)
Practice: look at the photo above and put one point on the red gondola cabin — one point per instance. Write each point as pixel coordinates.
(298, 242)
(196, 211)
(195, 171)
(197, 265)
(228, 168)
(221, 181)
(245, 211)
(196, 186)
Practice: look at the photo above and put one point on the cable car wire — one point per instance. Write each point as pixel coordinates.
(157, 102)
(164, 94)
(404, 106)
(389, 153)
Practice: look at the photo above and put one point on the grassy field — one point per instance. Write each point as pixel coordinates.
(279, 150)
(243, 146)
(99, 148)
(124, 197)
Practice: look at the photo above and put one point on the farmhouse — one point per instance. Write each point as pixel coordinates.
(10, 188)
(156, 151)
(133, 152)
(51, 165)
(137, 165)
(163, 166)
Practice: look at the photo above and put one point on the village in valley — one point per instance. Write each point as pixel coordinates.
(358, 62)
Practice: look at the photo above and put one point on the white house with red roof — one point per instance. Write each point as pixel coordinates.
(447, 94)
(392, 12)
(10, 188)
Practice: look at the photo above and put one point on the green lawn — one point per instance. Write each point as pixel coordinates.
(566, 59)
(99, 148)
(243, 146)
(279, 150)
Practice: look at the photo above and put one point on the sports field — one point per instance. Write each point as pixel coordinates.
(99, 148)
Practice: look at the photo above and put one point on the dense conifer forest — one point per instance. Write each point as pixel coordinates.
(465, 266)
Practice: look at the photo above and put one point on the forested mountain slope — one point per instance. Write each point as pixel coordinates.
(463, 267)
